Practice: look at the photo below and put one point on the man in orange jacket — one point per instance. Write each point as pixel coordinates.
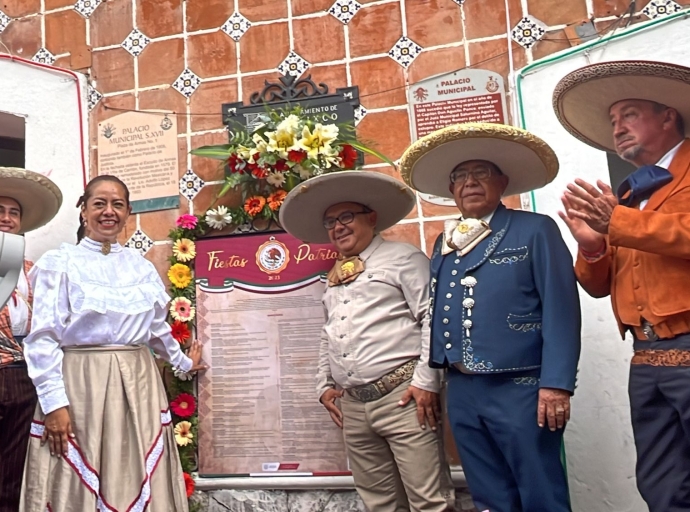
(635, 246)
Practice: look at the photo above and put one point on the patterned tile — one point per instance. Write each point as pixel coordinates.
(405, 51)
(360, 112)
(528, 31)
(190, 184)
(459, 2)
(293, 65)
(44, 57)
(236, 26)
(660, 8)
(140, 241)
(345, 10)
(4, 21)
(186, 83)
(135, 42)
(93, 97)
(86, 7)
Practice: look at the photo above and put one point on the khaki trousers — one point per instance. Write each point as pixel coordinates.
(397, 466)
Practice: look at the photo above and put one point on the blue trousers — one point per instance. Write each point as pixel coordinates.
(511, 464)
(660, 408)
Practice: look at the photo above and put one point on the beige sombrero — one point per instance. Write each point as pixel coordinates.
(526, 159)
(38, 196)
(302, 211)
(582, 98)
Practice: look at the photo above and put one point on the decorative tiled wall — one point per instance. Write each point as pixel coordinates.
(189, 56)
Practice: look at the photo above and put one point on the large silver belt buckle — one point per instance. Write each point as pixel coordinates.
(367, 393)
(648, 331)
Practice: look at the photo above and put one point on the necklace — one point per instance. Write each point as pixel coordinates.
(105, 248)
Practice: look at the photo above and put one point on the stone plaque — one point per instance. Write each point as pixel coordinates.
(141, 150)
(470, 95)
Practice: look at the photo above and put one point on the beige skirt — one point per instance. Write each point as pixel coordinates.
(123, 458)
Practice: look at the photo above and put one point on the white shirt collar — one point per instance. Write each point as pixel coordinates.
(487, 218)
(666, 160)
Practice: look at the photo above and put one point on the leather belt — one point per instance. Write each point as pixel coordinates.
(673, 357)
(380, 388)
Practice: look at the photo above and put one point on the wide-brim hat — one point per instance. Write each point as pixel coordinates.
(303, 209)
(527, 160)
(582, 98)
(38, 196)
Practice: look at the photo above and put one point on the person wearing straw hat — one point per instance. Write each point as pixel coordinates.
(635, 246)
(28, 200)
(374, 345)
(505, 313)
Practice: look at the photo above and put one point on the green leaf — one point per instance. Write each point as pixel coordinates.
(217, 152)
(370, 151)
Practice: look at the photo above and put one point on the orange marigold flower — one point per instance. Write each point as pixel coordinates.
(276, 199)
(254, 205)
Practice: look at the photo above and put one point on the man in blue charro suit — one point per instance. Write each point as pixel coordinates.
(505, 314)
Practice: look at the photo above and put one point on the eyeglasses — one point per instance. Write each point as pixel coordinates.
(479, 174)
(344, 218)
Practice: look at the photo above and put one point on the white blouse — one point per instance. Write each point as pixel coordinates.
(82, 297)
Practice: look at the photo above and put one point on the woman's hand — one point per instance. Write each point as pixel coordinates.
(194, 353)
(58, 431)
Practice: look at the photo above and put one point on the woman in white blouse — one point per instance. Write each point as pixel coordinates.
(102, 437)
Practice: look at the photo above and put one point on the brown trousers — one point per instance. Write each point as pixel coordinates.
(397, 466)
(17, 404)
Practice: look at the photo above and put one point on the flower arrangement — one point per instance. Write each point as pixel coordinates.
(283, 150)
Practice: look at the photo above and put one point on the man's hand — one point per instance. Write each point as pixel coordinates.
(588, 239)
(554, 407)
(428, 409)
(593, 206)
(328, 400)
(58, 431)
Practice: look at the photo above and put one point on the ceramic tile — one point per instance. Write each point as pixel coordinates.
(263, 10)
(557, 12)
(381, 82)
(113, 70)
(344, 10)
(528, 31)
(404, 51)
(4, 21)
(19, 8)
(211, 55)
(157, 18)
(135, 42)
(407, 233)
(301, 7)
(375, 29)
(161, 63)
(485, 19)
(166, 99)
(157, 225)
(93, 97)
(87, 7)
(333, 76)
(208, 169)
(190, 185)
(388, 131)
(309, 35)
(293, 65)
(205, 14)
(436, 62)
(360, 112)
(431, 231)
(435, 210)
(551, 43)
(660, 8)
(433, 22)
(111, 23)
(101, 113)
(492, 55)
(65, 32)
(256, 83)
(140, 242)
(187, 83)
(253, 47)
(236, 26)
(43, 56)
(22, 37)
(605, 8)
(55, 4)
(207, 100)
(160, 255)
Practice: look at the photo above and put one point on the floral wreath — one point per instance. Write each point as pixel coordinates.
(283, 150)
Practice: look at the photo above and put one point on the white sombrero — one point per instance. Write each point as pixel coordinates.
(582, 99)
(38, 196)
(527, 160)
(302, 211)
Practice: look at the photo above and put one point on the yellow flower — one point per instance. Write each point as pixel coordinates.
(319, 141)
(184, 249)
(280, 141)
(180, 275)
(183, 433)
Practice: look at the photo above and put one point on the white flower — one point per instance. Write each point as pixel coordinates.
(304, 174)
(319, 141)
(218, 218)
(182, 375)
(259, 143)
(289, 124)
(277, 179)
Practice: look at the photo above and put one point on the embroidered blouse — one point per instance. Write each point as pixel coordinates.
(82, 297)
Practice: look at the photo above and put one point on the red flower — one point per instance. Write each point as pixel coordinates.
(189, 484)
(259, 172)
(348, 155)
(234, 162)
(281, 166)
(180, 331)
(297, 156)
(184, 405)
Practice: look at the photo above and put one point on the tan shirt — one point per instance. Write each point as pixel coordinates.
(379, 321)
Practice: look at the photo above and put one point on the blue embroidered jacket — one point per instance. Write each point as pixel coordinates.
(509, 305)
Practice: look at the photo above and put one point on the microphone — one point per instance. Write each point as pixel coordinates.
(11, 264)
